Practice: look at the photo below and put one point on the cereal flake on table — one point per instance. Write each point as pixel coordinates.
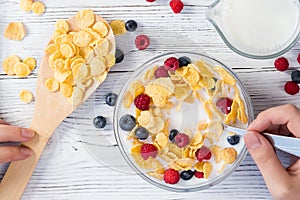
(13, 65)
(185, 151)
(15, 31)
(26, 96)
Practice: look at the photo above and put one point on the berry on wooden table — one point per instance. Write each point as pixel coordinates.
(296, 76)
(176, 6)
(131, 25)
(111, 99)
(99, 122)
(142, 42)
(291, 87)
(281, 64)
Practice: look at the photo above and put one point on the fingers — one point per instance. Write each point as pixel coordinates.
(14, 153)
(3, 122)
(281, 115)
(15, 134)
(266, 159)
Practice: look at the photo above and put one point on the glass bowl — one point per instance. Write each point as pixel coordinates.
(183, 117)
(259, 29)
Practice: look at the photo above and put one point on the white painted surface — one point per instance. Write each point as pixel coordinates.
(67, 170)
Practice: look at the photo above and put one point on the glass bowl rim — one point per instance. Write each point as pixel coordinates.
(137, 169)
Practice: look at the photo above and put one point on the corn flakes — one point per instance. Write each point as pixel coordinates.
(31, 62)
(229, 155)
(26, 96)
(62, 25)
(21, 69)
(101, 29)
(52, 84)
(118, 27)
(196, 82)
(15, 31)
(8, 64)
(38, 8)
(85, 18)
(25, 5)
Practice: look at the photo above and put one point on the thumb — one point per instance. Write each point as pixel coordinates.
(266, 159)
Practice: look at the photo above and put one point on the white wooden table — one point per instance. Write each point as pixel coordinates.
(67, 169)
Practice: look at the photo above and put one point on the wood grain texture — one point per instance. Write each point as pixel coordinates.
(66, 169)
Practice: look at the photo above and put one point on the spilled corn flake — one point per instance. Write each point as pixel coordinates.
(25, 5)
(31, 62)
(38, 8)
(8, 64)
(15, 31)
(26, 96)
(21, 69)
(118, 27)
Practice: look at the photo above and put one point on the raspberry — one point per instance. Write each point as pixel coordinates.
(171, 176)
(142, 102)
(171, 64)
(224, 104)
(161, 72)
(199, 174)
(182, 140)
(148, 150)
(298, 59)
(281, 64)
(142, 42)
(291, 87)
(203, 154)
(176, 6)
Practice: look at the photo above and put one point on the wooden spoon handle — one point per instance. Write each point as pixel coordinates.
(18, 173)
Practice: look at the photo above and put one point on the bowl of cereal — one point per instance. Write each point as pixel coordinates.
(168, 121)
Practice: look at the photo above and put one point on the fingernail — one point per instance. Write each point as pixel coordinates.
(251, 141)
(27, 133)
(26, 151)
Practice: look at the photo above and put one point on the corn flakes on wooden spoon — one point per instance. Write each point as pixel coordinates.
(52, 107)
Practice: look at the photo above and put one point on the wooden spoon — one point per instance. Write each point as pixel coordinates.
(50, 110)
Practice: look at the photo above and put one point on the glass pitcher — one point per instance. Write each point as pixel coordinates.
(257, 29)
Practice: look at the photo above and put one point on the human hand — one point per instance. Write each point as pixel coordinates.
(14, 134)
(284, 120)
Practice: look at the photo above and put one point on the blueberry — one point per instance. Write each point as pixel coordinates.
(131, 25)
(172, 134)
(111, 99)
(119, 56)
(233, 139)
(184, 61)
(99, 122)
(127, 122)
(187, 175)
(296, 76)
(141, 133)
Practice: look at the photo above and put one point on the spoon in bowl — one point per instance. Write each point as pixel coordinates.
(290, 145)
